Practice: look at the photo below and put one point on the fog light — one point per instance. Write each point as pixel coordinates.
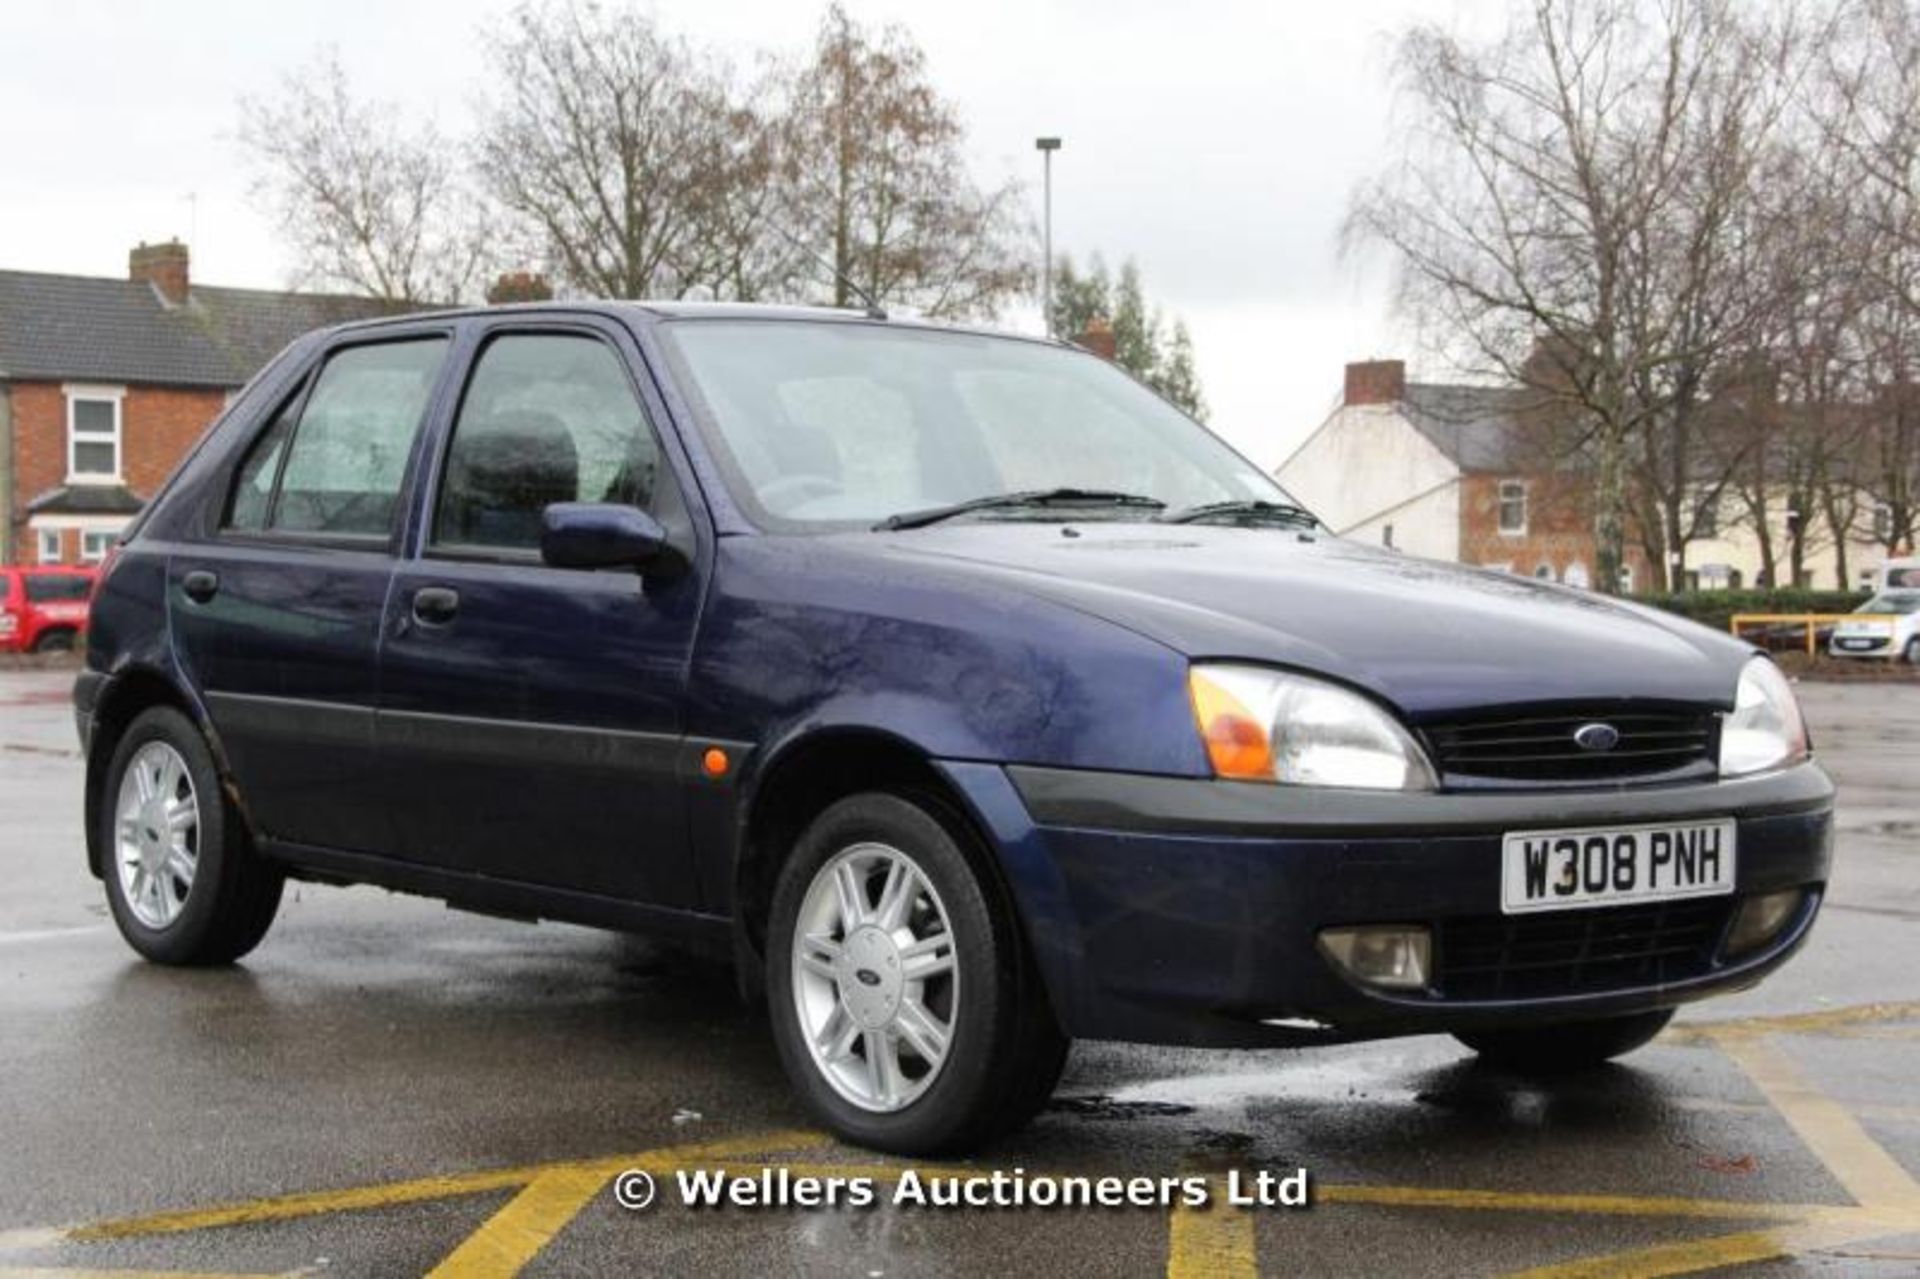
(1396, 956)
(1760, 920)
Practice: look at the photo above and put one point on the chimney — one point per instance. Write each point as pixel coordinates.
(520, 286)
(164, 266)
(1376, 382)
(1098, 338)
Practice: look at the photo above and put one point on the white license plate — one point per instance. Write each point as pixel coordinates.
(1615, 865)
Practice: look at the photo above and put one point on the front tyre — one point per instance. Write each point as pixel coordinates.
(905, 1008)
(1569, 1046)
(184, 887)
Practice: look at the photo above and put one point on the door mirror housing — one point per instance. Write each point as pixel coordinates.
(600, 535)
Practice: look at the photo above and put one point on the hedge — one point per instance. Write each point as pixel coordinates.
(1716, 608)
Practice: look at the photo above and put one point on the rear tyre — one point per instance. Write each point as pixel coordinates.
(184, 885)
(904, 1005)
(58, 640)
(1566, 1047)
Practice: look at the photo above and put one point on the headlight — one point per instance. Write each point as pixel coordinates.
(1270, 726)
(1764, 729)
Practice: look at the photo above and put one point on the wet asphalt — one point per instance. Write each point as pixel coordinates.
(376, 1040)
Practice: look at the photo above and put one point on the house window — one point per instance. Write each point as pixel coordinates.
(1706, 518)
(1513, 506)
(49, 546)
(1882, 522)
(95, 543)
(93, 434)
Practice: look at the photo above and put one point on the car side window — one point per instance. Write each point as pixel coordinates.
(53, 588)
(338, 469)
(547, 417)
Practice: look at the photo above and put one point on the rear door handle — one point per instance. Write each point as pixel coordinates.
(435, 605)
(200, 585)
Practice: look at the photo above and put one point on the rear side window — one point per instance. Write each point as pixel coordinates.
(338, 468)
(547, 417)
(52, 588)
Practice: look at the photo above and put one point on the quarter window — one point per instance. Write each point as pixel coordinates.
(1513, 506)
(93, 434)
(547, 417)
(338, 469)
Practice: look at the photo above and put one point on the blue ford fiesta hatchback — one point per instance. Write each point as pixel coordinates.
(966, 693)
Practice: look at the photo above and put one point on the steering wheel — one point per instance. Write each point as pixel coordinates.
(790, 490)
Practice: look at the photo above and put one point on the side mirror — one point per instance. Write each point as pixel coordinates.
(599, 535)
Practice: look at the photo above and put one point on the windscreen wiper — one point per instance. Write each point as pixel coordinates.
(1026, 497)
(1245, 509)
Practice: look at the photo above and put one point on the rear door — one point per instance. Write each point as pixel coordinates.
(531, 716)
(276, 615)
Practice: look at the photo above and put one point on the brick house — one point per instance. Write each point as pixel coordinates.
(105, 384)
(1443, 471)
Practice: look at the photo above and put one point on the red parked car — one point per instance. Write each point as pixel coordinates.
(43, 609)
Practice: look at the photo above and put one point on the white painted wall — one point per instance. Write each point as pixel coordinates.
(1367, 467)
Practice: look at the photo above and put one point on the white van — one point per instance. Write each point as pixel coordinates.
(1898, 575)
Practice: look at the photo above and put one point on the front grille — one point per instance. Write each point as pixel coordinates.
(1577, 952)
(1541, 748)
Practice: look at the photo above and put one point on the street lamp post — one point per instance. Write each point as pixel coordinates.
(1046, 147)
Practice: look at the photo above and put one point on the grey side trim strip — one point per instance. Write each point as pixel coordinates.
(503, 741)
(1184, 805)
(463, 737)
(248, 715)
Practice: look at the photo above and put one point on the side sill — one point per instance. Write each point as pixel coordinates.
(513, 899)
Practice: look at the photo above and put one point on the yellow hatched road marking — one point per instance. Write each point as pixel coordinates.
(1696, 1255)
(1812, 1023)
(514, 1236)
(1218, 1240)
(1214, 1242)
(1590, 1205)
(1857, 1161)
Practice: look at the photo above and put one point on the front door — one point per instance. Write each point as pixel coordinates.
(531, 716)
(276, 614)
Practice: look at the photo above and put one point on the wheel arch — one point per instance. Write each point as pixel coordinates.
(128, 694)
(810, 773)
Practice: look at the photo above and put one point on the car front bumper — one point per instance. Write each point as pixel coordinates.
(1172, 910)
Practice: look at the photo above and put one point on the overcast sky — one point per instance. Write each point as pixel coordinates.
(1214, 142)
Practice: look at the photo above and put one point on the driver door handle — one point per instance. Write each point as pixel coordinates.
(435, 605)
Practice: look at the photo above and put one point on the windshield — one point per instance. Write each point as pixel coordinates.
(827, 425)
(1901, 602)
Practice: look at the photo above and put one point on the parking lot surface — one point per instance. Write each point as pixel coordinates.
(388, 1087)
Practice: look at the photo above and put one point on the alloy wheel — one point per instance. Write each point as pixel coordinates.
(875, 979)
(157, 834)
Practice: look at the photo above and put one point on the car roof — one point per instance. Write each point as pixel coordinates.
(655, 312)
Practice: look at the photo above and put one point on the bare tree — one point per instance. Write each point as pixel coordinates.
(1570, 209)
(878, 185)
(617, 145)
(367, 204)
(1871, 121)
